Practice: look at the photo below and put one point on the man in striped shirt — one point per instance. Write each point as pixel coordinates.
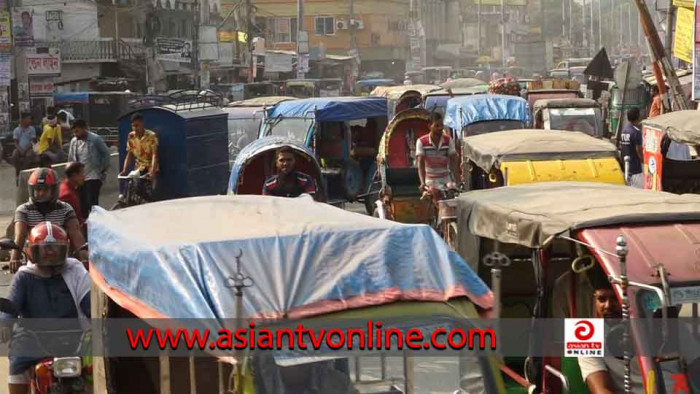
(44, 206)
(436, 156)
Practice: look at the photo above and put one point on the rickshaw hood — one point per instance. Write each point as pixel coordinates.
(681, 126)
(531, 215)
(489, 150)
(465, 110)
(331, 109)
(674, 245)
(304, 258)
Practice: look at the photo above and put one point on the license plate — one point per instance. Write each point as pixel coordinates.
(685, 295)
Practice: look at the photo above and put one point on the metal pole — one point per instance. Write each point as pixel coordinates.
(353, 39)
(563, 18)
(300, 28)
(669, 30)
(195, 46)
(583, 26)
(592, 31)
(503, 31)
(571, 23)
(249, 40)
(622, 250)
(629, 24)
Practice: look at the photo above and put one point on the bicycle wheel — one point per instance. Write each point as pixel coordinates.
(450, 234)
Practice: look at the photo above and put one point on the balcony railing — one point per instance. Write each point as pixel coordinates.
(101, 50)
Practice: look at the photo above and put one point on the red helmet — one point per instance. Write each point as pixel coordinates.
(48, 244)
(43, 179)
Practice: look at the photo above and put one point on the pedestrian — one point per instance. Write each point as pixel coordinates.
(657, 107)
(90, 150)
(631, 146)
(25, 138)
(50, 147)
(68, 193)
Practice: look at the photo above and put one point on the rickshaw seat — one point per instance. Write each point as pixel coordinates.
(404, 182)
(681, 176)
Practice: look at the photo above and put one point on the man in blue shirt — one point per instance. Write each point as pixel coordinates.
(50, 286)
(24, 136)
(631, 145)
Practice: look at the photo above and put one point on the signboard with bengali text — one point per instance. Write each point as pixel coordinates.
(683, 39)
(43, 63)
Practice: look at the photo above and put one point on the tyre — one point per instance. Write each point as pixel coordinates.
(451, 235)
(369, 203)
(351, 180)
(119, 205)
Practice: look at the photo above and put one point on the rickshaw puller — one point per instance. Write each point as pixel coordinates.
(288, 182)
(50, 286)
(436, 157)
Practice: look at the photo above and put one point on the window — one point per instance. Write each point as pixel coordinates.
(325, 25)
(283, 29)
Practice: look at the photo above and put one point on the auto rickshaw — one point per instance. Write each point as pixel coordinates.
(343, 133)
(256, 163)
(537, 244)
(397, 184)
(485, 113)
(244, 120)
(671, 143)
(513, 157)
(285, 262)
(301, 88)
(330, 87)
(637, 97)
(400, 98)
(99, 109)
(437, 75)
(580, 114)
(364, 87)
(437, 101)
(533, 95)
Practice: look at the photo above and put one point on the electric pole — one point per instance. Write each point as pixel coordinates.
(592, 34)
(195, 46)
(300, 30)
(478, 27)
(353, 38)
(571, 22)
(503, 31)
(670, 16)
(583, 26)
(249, 40)
(563, 19)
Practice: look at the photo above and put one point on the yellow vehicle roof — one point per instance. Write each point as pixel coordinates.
(489, 150)
(681, 126)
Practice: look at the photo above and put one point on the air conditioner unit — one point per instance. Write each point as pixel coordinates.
(341, 25)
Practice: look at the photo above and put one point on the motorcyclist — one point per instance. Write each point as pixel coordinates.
(44, 206)
(50, 286)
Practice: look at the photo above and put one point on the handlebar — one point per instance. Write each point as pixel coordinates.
(124, 177)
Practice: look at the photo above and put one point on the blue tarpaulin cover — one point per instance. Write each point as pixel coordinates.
(376, 82)
(465, 110)
(332, 108)
(76, 97)
(304, 258)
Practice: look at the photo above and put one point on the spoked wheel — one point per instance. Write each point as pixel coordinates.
(450, 234)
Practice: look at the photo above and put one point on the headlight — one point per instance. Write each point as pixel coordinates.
(67, 367)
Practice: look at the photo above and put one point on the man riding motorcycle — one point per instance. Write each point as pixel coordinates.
(44, 206)
(50, 286)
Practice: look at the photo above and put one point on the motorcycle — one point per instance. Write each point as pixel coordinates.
(55, 375)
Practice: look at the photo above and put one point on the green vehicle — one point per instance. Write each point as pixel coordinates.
(634, 98)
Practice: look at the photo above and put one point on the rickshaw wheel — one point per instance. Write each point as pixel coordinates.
(369, 203)
(450, 235)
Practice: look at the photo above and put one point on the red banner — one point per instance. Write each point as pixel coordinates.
(653, 159)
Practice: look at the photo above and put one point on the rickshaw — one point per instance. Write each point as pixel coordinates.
(437, 75)
(330, 87)
(244, 120)
(485, 113)
(99, 109)
(285, 262)
(256, 162)
(302, 88)
(437, 101)
(513, 157)
(364, 87)
(532, 96)
(535, 243)
(396, 184)
(400, 98)
(670, 145)
(343, 133)
(580, 114)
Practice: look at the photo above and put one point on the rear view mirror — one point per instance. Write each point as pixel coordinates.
(7, 244)
(6, 306)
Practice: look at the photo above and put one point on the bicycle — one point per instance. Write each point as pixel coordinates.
(138, 190)
(444, 211)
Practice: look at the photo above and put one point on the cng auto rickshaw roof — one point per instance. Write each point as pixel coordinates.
(328, 109)
(394, 92)
(531, 214)
(681, 126)
(304, 259)
(261, 101)
(464, 110)
(489, 150)
(565, 103)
